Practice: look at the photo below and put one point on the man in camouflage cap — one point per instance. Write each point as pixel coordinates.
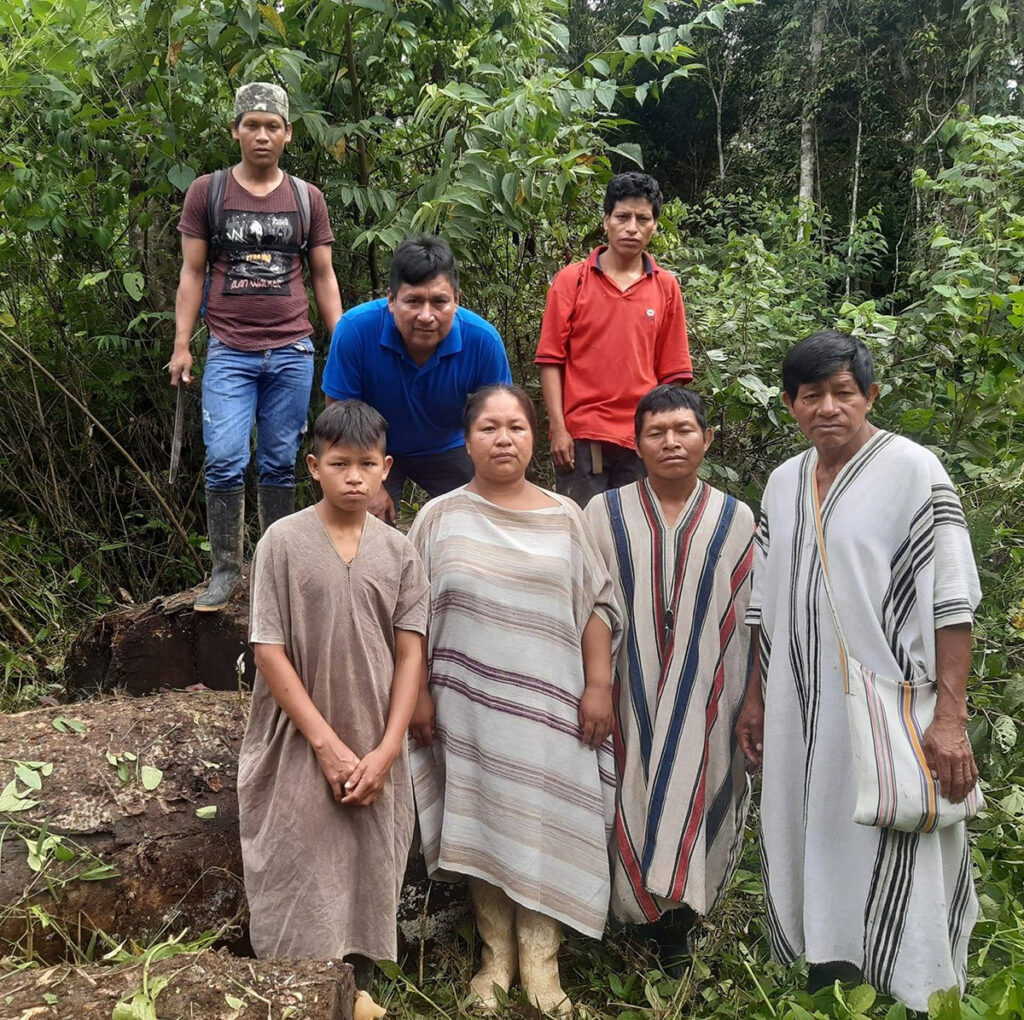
(245, 233)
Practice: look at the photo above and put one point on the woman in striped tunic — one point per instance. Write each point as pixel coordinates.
(514, 777)
(894, 908)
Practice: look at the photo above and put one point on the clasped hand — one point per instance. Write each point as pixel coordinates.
(353, 780)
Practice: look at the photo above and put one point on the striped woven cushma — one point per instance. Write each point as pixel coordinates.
(899, 905)
(508, 793)
(680, 678)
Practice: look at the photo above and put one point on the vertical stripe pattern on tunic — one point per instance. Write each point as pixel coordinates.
(680, 677)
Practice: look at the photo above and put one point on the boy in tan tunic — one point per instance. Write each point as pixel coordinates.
(339, 610)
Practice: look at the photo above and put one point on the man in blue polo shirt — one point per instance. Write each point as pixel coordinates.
(415, 356)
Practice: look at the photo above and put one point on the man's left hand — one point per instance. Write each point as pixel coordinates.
(950, 757)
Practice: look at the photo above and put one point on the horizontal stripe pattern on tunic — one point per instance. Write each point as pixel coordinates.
(508, 793)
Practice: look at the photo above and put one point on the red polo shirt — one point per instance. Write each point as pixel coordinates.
(615, 344)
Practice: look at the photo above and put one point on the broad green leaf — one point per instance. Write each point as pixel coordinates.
(861, 999)
(181, 176)
(134, 285)
(151, 777)
(207, 811)
(605, 93)
(11, 800)
(1004, 732)
(91, 279)
(630, 150)
(508, 188)
(234, 1002)
(29, 776)
(65, 725)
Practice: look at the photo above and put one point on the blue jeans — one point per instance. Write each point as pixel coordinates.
(271, 387)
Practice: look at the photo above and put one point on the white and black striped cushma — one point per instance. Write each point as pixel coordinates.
(899, 905)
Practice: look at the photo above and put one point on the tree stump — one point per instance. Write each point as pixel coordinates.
(92, 850)
(211, 985)
(163, 644)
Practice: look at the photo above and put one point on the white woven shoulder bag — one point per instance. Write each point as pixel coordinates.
(888, 719)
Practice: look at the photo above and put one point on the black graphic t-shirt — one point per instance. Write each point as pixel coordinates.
(257, 298)
(255, 261)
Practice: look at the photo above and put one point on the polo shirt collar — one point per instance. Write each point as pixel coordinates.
(451, 344)
(650, 266)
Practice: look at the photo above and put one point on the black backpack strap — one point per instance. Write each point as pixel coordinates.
(301, 191)
(215, 212)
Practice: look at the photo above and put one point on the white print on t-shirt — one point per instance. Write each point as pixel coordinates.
(253, 264)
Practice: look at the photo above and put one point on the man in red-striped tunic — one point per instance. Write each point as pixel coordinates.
(680, 553)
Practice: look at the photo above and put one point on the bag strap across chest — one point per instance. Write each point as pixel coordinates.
(819, 533)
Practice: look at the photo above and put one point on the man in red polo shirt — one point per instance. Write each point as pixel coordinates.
(614, 328)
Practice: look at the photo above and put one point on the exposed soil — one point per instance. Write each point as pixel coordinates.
(204, 986)
(173, 871)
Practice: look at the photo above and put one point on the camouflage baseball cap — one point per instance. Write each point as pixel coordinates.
(264, 96)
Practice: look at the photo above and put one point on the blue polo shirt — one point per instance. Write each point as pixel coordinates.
(422, 403)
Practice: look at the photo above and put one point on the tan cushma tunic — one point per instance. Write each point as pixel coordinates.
(323, 880)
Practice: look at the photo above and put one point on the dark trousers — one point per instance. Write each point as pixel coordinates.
(619, 466)
(438, 473)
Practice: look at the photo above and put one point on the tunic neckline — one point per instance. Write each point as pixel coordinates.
(330, 541)
(835, 487)
(685, 510)
(476, 497)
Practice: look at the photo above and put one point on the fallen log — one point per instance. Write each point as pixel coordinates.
(211, 985)
(97, 847)
(120, 817)
(163, 644)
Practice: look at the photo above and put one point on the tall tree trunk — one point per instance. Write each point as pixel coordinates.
(807, 115)
(577, 25)
(361, 150)
(854, 196)
(718, 130)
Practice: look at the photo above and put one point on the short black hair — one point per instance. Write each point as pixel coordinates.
(349, 423)
(668, 397)
(421, 258)
(821, 355)
(633, 185)
(476, 400)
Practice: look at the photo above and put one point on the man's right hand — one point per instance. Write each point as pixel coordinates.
(750, 729)
(563, 449)
(181, 366)
(382, 507)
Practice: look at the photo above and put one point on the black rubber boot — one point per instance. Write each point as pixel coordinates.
(362, 970)
(671, 934)
(825, 975)
(274, 502)
(225, 522)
